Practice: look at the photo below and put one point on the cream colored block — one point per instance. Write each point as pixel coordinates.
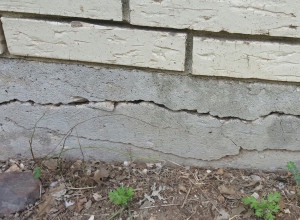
(95, 43)
(95, 9)
(246, 59)
(270, 17)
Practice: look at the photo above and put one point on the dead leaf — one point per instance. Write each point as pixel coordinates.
(88, 204)
(237, 211)
(13, 168)
(248, 214)
(227, 190)
(259, 187)
(80, 204)
(97, 197)
(46, 206)
(221, 199)
(282, 205)
(220, 171)
(51, 164)
(182, 188)
(77, 165)
(223, 215)
(100, 174)
(58, 192)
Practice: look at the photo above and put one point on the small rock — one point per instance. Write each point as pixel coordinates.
(126, 163)
(17, 190)
(150, 165)
(287, 211)
(208, 171)
(255, 178)
(144, 171)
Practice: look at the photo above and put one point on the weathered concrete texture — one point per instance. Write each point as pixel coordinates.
(60, 83)
(2, 46)
(275, 18)
(95, 9)
(95, 43)
(241, 59)
(144, 127)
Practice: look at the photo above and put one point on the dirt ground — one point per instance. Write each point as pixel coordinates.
(79, 190)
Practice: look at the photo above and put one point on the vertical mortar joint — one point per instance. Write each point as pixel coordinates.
(126, 11)
(188, 63)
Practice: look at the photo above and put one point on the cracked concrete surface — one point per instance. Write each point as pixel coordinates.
(121, 114)
(60, 83)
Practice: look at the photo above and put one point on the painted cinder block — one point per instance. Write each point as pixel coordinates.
(95, 43)
(246, 59)
(94, 9)
(271, 17)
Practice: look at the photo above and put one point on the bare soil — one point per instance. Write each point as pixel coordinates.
(79, 190)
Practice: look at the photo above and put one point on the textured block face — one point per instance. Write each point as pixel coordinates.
(94, 9)
(241, 59)
(271, 17)
(94, 43)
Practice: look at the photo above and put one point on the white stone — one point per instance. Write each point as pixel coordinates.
(246, 59)
(271, 17)
(94, 9)
(95, 43)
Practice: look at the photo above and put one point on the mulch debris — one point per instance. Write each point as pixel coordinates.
(74, 189)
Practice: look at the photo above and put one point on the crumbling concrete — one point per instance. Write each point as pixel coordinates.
(60, 83)
(109, 115)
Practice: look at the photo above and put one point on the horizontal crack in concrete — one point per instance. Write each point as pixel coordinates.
(116, 103)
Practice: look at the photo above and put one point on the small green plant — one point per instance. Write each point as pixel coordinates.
(37, 172)
(121, 196)
(295, 172)
(265, 208)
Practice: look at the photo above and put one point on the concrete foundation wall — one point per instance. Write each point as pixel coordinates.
(203, 83)
(123, 114)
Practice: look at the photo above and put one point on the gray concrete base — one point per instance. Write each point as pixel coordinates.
(116, 114)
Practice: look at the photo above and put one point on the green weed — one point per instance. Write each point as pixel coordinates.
(265, 208)
(295, 172)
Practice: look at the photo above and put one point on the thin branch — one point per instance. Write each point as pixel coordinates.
(32, 136)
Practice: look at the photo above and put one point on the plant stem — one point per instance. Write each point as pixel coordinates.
(116, 213)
